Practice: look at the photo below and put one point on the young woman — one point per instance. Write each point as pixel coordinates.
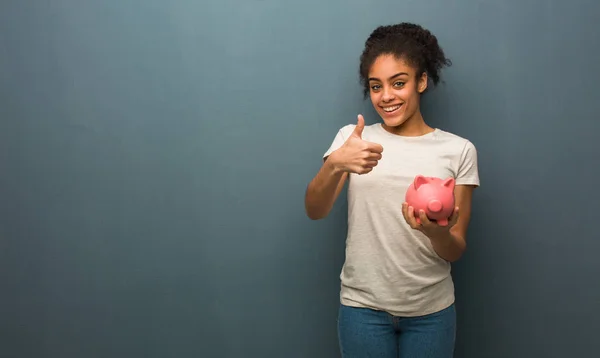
(397, 294)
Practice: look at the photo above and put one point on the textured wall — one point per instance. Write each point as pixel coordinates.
(154, 156)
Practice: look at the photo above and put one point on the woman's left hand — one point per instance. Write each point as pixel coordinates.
(430, 228)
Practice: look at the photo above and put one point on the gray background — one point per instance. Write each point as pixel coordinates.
(154, 157)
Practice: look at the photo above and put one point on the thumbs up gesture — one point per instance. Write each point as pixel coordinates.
(357, 155)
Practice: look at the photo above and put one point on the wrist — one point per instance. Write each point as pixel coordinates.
(333, 164)
(443, 239)
(448, 245)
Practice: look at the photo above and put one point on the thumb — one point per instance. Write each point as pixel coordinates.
(360, 125)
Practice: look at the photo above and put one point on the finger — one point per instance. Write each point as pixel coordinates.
(374, 147)
(367, 152)
(360, 125)
(424, 219)
(370, 155)
(370, 163)
(405, 213)
(373, 156)
(454, 217)
(404, 209)
(412, 219)
(364, 170)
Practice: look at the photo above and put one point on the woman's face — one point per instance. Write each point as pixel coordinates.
(395, 90)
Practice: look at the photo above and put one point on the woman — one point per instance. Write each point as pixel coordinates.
(397, 294)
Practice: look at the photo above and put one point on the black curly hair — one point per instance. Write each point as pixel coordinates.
(407, 41)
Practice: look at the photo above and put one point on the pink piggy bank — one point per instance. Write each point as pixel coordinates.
(433, 195)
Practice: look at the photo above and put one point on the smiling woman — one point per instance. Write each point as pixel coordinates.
(397, 294)
(400, 60)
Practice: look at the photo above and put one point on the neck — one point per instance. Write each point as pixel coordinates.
(413, 127)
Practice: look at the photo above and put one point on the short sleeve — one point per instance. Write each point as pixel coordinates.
(468, 170)
(338, 141)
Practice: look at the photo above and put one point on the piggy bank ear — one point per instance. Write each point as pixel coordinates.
(449, 183)
(420, 180)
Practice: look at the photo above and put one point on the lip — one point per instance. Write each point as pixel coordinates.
(399, 107)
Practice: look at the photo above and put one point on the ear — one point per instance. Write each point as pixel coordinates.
(422, 83)
(449, 183)
(420, 180)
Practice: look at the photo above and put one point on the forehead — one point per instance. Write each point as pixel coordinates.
(386, 66)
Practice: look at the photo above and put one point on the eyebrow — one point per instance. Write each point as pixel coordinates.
(394, 76)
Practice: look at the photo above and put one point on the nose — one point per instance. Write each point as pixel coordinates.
(435, 206)
(388, 94)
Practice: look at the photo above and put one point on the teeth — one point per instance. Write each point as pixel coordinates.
(391, 109)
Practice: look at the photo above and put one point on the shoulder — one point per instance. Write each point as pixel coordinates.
(464, 158)
(349, 128)
(456, 141)
(450, 136)
(346, 130)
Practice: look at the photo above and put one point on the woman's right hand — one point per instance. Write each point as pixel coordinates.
(357, 155)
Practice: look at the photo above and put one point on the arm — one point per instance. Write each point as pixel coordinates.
(323, 190)
(353, 155)
(450, 245)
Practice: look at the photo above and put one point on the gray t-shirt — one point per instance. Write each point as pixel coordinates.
(389, 266)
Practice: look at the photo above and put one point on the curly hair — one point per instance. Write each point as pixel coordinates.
(410, 42)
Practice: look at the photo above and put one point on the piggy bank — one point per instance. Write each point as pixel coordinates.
(433, 195)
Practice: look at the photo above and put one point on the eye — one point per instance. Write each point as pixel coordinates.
(375, 87)
(399, 84)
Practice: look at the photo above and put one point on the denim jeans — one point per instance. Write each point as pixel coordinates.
(366, 333)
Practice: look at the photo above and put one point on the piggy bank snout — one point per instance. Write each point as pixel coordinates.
(435, 206)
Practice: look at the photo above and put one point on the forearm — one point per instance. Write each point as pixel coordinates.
(449, 246)
(323, 190)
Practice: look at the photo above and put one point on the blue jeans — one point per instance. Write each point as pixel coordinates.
(366, 333)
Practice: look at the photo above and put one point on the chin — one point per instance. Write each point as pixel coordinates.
(394, 121)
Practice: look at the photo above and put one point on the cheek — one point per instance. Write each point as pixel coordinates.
(408, 95)
(374, 97)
